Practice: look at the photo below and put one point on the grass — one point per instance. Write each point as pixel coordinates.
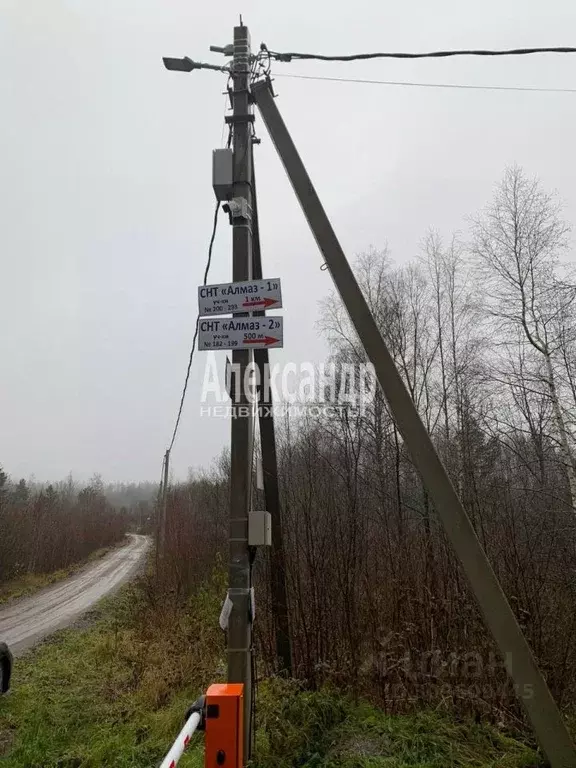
(114, 695)
(29, 583)
(88, 699)
(325, 730)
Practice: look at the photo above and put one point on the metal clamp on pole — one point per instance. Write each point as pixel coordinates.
(195, 718)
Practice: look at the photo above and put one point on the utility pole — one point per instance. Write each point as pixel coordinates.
(239, 576)
(278, 590)
(163, 510)
(530, 685)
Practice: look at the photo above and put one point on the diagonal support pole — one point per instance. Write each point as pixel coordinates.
(529, 683)
(278, 589)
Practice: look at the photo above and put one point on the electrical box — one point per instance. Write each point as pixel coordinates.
(222, 173)
(259, 529)
(224, 742)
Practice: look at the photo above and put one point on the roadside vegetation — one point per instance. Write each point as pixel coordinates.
(109, 695)
(114, 695)
(484, 334)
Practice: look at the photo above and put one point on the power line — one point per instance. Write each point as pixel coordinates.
(430, 85)
(217, 209)
(429, 55)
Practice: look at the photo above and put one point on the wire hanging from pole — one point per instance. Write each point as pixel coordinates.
(191, 357)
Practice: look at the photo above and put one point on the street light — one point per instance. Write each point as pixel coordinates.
(186, 64)
(179, 65)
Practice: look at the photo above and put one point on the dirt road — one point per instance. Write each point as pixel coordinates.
(26, 621)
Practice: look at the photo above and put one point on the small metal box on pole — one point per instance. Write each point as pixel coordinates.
(223, 173)
(259, 529)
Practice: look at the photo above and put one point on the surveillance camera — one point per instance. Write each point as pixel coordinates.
(237, 208)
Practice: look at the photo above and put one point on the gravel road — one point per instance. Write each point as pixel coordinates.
(24, 622)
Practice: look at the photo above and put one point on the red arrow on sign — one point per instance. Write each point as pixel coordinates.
(260, 303)
(266, 340)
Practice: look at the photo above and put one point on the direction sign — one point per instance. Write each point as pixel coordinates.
(247, 296)
(241, 333)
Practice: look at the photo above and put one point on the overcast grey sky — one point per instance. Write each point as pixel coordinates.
(106, 199)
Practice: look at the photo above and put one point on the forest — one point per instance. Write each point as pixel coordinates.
(483, 329)
(49, 528)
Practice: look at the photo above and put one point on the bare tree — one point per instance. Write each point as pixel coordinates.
(517, 244)
(378, 603)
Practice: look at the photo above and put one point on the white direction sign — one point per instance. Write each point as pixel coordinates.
(247, 296)
(240, 333)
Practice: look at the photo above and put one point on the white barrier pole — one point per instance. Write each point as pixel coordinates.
(177, 750)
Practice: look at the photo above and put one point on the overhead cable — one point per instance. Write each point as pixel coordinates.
(428, 55)
(463, 86)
